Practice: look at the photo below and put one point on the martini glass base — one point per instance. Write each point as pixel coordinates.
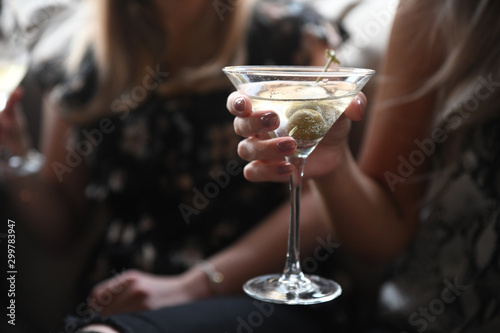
(310, 289)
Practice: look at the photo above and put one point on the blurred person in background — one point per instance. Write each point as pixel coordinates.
(423, 196)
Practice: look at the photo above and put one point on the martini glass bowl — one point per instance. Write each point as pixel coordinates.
(308, 101)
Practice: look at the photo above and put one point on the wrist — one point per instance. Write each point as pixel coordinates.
(326, 160)
(337, 162)
(214, 277)
(203, 280)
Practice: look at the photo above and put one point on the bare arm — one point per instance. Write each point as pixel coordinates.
(374, 204)
(263, 250)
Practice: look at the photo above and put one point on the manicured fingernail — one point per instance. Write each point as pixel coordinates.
(287, 145)
(270, 120)
(285, 169)
(360, 102)
(239, 104)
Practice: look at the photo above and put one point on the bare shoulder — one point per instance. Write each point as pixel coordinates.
(416, 47)
(400, 115)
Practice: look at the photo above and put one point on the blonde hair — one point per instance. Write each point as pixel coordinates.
(470, 33)
(129, 41)
(468, 38)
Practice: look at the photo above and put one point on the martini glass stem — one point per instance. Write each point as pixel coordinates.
(293, 273)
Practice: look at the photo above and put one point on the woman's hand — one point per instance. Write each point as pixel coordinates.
(13, 134)
(135, 291)
(266, 155)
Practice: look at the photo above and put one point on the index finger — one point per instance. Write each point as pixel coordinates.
(239, 104)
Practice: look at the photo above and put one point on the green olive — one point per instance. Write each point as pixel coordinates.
(306, 124)
(313, 106)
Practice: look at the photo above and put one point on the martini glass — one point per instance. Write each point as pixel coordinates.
(308, 101)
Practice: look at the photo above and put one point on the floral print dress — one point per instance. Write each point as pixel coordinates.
(449, 278)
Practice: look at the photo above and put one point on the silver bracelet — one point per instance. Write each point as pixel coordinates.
(215, 277)
(26, 165)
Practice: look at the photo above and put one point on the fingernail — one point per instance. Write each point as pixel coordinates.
(287, 145)
(360, 102)
(270, 120)
(239, 104)
(285, 169)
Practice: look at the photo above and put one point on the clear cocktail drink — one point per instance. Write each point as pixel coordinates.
(306, 111)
